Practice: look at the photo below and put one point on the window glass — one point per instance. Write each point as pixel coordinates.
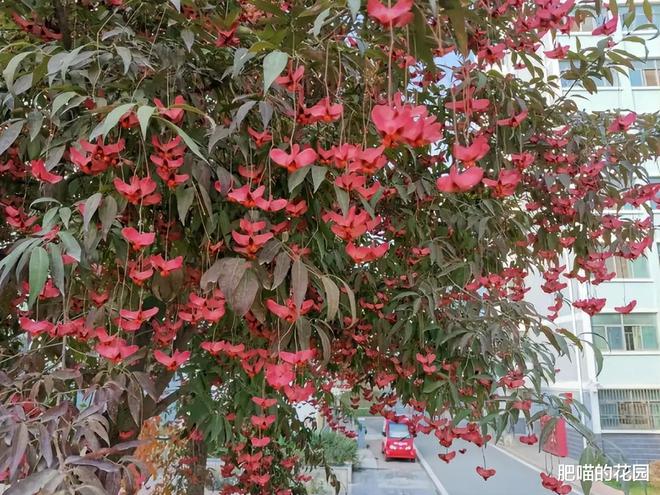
(649, 338)
(633, 332)
(645, 73)
(615, 338)
(398, 430)
(625, 268)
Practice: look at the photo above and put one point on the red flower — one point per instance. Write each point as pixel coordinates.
(622, 123)
(555, 485)
(116, 350)
(262, 422)
(528, 439)
(427, 362)
(470, 154)
(250, 242)
(297, 358)
(353, 225)
(174, 115)
(297, 159)
(405, 123)
(627, 308)
(514, 121)
(136, 239)
(361, 254)
(166, 266)
(279, 375)
(323, 111)
(397, 16)
(259, 442)
(456, 182)
(292, 79)
(97, 158)
(227, 37)
(559, 51)
(608, 27)
(172, 363)
(36, 328)
(448, 456)
(290, 312)
(260, 138)
(263, 402)
(591, 306)
(131, 321)
(506, 184)
(252, 199)
(38, 169)
(485, 473)
(138, 191)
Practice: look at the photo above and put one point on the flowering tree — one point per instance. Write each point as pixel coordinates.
(260, 202)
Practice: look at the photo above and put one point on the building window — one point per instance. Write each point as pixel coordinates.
(629, 409)
(645, 73)
(588, 23)
(625, 333)
(625, 268)
(641, 19)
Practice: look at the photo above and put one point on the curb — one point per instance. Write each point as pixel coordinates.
(439, 487)
(530, 465)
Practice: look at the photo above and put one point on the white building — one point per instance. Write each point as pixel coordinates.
(624, 398)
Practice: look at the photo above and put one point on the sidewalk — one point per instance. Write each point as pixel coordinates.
(541, 461)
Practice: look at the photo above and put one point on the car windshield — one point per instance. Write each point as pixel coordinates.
(398, 430)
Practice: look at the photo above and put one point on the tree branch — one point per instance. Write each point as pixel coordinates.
(63, 23)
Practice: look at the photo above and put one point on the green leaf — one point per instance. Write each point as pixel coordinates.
(245, 293)
(177, 4)
(9, 135)
(91, 205)
(648, 10)
(70, 244)
(274, 64)
(144, 114)
(282, 265)
(318, 176)
(241, 56)
(230, 273)
(126, 57)
(457, 20)
(184, 200)
(188, 38)
(319, 21)
(111, 121)
(296, 178)
(57, 266)
(10, 70)
(107, 214)
(354, 7)
(331, 297)
(38, 273)
(299, 282)
(35, 121)
(8, 262)
(343, 199)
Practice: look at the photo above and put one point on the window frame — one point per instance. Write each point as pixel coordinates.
(616, 264)
(630, 334)
(656, 62)
(629, 409)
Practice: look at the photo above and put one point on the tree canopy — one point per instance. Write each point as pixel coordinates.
(230, 208)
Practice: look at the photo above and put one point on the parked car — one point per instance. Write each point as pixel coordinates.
(397, 441)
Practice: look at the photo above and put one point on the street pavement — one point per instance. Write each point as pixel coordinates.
(377, 477)
(460, 478)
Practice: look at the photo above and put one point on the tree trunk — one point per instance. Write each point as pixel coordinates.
(198, 477)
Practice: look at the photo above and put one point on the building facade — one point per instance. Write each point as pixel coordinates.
(624, 398)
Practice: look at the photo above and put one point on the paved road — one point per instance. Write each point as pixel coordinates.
(377, 477)
(460, 478)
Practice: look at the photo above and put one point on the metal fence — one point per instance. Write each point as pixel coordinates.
(629, 409)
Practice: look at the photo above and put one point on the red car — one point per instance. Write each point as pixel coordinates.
(397, 441)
